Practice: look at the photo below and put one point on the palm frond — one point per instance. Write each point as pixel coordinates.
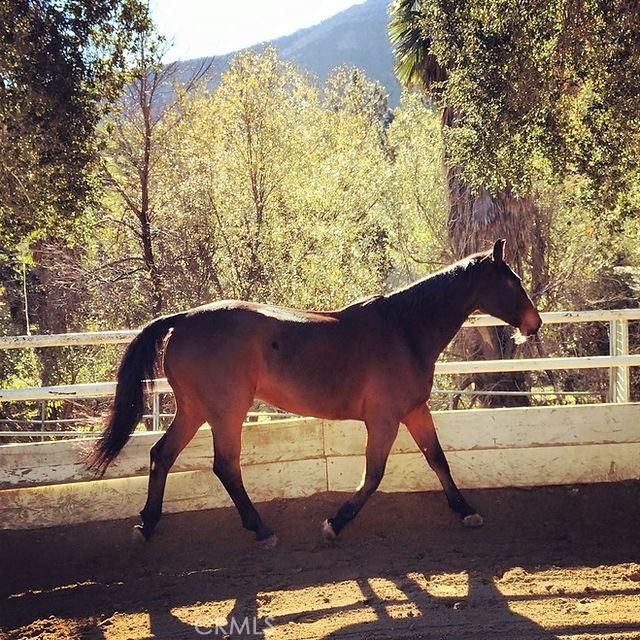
(414, 62)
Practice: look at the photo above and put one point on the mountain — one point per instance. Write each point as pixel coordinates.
(354, 37)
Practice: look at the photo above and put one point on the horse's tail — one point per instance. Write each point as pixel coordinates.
(138, 364)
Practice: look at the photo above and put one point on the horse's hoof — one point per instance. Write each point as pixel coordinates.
(328, 533)
(137, 536)
(268, 543)
(473, 521)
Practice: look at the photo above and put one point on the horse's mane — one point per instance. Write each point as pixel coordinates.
(361, 302)
(432, 288)
(437, 286)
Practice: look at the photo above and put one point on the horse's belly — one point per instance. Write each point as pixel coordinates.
(308, 408)
(319, 392)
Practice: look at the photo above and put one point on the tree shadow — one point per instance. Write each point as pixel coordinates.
(89, 572)
(482, 613)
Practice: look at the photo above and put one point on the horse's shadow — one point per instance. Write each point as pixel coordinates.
(483, 613)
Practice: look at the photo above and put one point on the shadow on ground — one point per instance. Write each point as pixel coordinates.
(404, 569)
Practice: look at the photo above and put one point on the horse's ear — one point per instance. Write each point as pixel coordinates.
(498, 251)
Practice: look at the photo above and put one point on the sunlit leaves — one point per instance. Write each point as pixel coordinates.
(530, 82)
(274, 189)
(61, 63)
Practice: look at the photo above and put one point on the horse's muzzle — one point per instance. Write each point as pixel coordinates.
(531, 323)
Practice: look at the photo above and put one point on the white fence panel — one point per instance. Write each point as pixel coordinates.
(47, 484)
(295, 458)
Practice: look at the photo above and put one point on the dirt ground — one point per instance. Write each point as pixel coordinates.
(560, 562)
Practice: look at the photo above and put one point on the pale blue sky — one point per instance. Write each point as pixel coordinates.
(201, 28)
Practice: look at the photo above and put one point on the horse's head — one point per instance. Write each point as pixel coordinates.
(502, 295)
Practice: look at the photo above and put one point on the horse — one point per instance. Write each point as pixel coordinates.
(371, 361)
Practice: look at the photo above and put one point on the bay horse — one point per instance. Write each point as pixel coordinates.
(372, 361)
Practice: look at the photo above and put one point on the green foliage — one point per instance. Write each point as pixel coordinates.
(271, 190)
(274, 189)
(416, 208)
(60, 64)
(540, 107)
(534, 86)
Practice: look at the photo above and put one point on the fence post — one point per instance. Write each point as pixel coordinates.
(619, 389)
(43, 418)
(155, 417)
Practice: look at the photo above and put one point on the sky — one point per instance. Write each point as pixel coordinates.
(200, 28)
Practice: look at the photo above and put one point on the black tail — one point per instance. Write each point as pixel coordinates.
(138, 364)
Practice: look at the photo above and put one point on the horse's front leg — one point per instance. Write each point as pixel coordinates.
(380, 437)
(420, 425)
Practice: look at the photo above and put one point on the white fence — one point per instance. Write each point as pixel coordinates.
(45, 484)
(618, 360)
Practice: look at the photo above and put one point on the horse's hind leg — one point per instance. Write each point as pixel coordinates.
(163, 455)
(380, 437)
(420, 425)
(227, 441)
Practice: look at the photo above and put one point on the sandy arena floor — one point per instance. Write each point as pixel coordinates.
(560, 562)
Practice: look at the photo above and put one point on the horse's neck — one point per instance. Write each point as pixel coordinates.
(433, 310)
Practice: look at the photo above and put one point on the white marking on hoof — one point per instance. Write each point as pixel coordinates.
(328, 533)
(473, 521)
(137, 537)
(268, 543)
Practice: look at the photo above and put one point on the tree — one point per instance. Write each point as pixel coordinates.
(417, 190)
(61, 64)
(136, 134)
(476, 216)
(289, 190)
(552, 84)
(536, 100)
(550, 89)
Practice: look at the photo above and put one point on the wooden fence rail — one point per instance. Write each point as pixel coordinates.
(45, 484)
(126, 335)
(106, 389)
(618, 362)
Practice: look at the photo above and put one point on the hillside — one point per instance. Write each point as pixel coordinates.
(356, 36)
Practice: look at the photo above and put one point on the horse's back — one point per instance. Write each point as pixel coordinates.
(247, 334)
(239, 313)
(307, 362)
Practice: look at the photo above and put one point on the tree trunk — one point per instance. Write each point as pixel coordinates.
(144, 214)
(55, 301)
(474, 222)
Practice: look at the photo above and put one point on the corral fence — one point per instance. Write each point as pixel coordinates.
(46, 483)
(618, 362)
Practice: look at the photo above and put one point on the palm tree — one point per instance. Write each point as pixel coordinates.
(475, 219)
